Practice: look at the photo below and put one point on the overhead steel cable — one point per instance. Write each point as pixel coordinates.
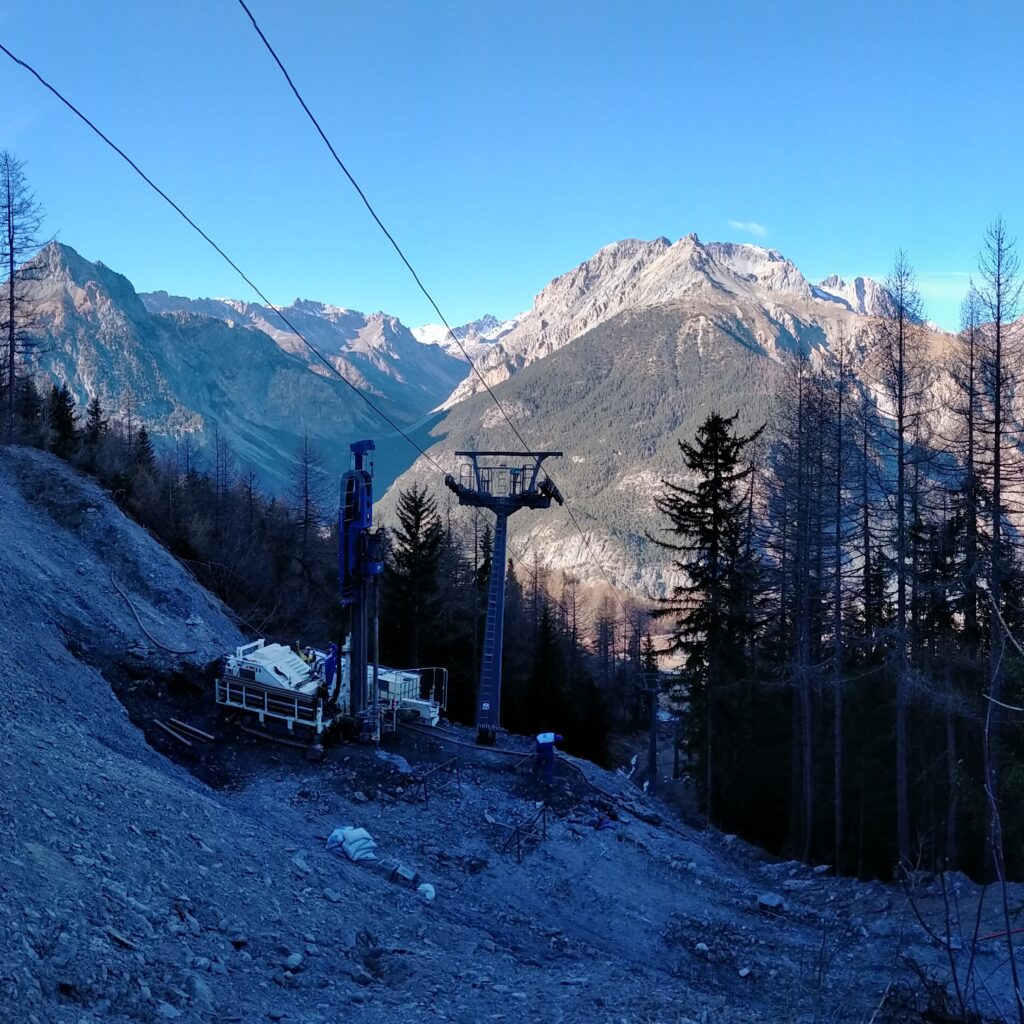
(238, 270)
(234, 266)
(373, 213)
(416, 278)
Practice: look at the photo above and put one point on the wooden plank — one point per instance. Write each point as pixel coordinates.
(264, 735)
(192, 730)
(170, 732)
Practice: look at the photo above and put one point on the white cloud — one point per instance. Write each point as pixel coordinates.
(750, 227)
(943, 285)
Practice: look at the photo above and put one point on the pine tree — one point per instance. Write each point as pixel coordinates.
(61, 416)
(411, 576)
(710, 609)
(144, 456)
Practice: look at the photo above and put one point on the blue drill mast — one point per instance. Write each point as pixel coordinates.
(504, 488)
(360, 563)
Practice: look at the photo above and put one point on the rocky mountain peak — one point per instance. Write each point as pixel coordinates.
(63, 277)
(636, 274)
(861, 295)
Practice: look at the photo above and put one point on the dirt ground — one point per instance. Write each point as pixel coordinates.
(145, 881)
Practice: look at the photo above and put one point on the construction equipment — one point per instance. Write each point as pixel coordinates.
(347, 690)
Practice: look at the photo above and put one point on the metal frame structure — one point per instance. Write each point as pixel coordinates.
(504, 489)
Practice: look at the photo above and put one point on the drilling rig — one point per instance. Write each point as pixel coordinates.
(335, 690)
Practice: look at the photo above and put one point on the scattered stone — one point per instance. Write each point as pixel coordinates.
(294, 962)
(199, 992)
(332, 896)
(701, 948)
(771, 901)
(744, 972)
(120, 940)
(167, 1012)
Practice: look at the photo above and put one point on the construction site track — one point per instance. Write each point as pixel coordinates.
(439, 732)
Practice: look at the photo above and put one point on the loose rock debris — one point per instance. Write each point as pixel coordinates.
(146, 881)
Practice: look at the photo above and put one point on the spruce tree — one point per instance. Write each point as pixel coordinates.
(62, 420)
(411, 576)
(711, 608)
(143, 455)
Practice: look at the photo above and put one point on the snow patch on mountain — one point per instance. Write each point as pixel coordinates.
(470, 339)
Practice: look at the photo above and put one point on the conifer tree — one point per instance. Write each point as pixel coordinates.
(411, 575)
(95, 422)
(28, 411)
(903, 372)
(20, 219)
(709, 610)
(61, 416)
(308, 493)
(144, 456)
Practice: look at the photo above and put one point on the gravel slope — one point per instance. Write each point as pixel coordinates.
(130, 890)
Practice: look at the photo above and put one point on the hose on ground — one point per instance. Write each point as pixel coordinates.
(153, 639)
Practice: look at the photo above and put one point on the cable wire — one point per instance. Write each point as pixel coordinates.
(419, 282)
(234, 266)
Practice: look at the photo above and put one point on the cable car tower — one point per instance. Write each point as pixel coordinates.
(504, 488)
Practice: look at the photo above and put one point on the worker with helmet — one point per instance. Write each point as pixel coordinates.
(545, 751)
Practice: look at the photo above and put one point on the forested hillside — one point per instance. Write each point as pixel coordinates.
(850, 612)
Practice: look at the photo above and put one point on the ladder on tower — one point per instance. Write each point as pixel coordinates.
(488, 710)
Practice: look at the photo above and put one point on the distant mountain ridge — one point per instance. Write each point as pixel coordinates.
(614, 362)
(634, 273)
(376, 351)
(190, 368)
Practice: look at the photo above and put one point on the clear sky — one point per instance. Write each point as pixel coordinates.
(504, 141)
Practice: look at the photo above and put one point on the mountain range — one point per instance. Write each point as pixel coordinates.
(613, 363)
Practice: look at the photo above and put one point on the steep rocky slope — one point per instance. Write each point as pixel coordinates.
(191, 372)
(132, 891)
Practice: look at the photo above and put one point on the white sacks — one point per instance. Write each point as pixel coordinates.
(355, 843)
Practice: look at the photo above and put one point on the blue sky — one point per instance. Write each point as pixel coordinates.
(505, 142)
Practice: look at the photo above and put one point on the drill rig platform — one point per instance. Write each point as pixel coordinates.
(273, 683)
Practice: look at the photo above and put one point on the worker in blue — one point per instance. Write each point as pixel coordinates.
(331, 670)
(545, 750)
